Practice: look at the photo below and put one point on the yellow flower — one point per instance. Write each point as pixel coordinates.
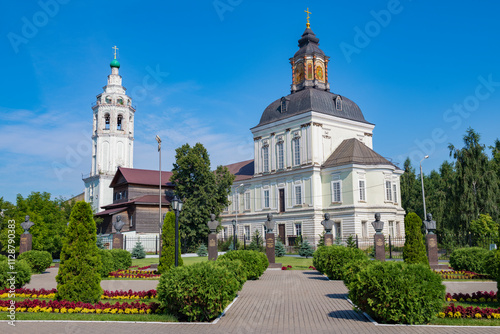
(71, 310)
(478, 316)
(113, 311)
(64, 310)
(441, 314)
(457, 315)
(141, 311)
(56, 310)
(98, 311)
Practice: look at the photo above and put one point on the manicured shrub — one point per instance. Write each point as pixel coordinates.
(22, 276)
(306, 249)
(236, 267)
(199, 292)
(352, 268)
(255, 263)
(108, 264)
(279, 248)
(3, 257)
(202, 250)
(491, 264)
(138, 252)
(122, 259)
(38, 260)
(469, 258)
(414, 250)
(79, 277)
(395, 292)
(167, 259)
(331, 259)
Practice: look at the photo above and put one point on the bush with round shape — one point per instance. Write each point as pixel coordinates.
(199, 292)
(108, 264)
(255, 262)
(138, 252)
(414, 249)
(395, 292)
(22, 276)
(79, 277)
(469, 258)
(38, 260)
(167, 259)
(236, 267)
(122, 259)
(352, 268)
(331, 259)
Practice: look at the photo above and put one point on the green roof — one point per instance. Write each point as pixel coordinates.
(115, 63)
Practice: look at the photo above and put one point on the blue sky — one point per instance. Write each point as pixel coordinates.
(422, 71)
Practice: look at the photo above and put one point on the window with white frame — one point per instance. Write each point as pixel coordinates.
(266, 198)
(362, 190)
(298, 229)
(225, 234)
(394, 192)
(265, 158)
(398, 229)
(296, 151)
(388, 191)
(281, 157)
(298, 194)
(337, 191)
(338, 229)
(246, 199)
(391, 229)
(247, 232)
(364, 229)
(235, 202)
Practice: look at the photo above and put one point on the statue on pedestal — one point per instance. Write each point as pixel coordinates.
(378, 225)
(27, 224)
(118, 224)
(270, 224)
(213, 224)
(327, 223)
(430, 225)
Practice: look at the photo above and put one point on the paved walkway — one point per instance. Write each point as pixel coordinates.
(280, 302)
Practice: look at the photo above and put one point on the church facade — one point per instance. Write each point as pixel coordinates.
(313, 154)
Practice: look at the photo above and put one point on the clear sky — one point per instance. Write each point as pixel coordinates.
(422, 71)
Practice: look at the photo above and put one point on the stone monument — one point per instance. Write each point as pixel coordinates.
(379, 239)
(271, 242)
(328, 224)
(118, 236)
(26, 238)
(212, 238)
(431, 241)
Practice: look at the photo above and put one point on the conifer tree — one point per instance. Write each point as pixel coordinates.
(167, 259)
(79, 276)
(257, 243)
(414, 249)
(138, 252)
(306, 249)
(202, 250)
(279, 248)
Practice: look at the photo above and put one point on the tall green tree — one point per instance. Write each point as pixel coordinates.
(202, 190)
(414, 249)
(475, 188)
(167, 259)
(409, 188)
(79, 277)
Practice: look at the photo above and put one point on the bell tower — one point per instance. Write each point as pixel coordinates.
(112, 138)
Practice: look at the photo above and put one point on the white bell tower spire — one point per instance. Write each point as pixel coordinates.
(112, 138)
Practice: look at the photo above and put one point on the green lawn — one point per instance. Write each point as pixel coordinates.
(465, 322)
(297, 263)
(152, 260)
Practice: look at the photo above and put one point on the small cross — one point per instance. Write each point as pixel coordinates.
(308, 12)
(114, 47)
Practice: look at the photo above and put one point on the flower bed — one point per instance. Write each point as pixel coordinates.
(43, 293)
(476, 297)
(64, 306)
(452, 311)
(461, 274)
(142, 274)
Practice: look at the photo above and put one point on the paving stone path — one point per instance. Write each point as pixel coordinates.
(280, 302)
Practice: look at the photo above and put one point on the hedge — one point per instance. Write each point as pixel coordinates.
(38, 260)
(236, 267)
(108, 263)
(22, 276)
(255, 263)
(122, 259)
(330, 260)
(469, 258)
(395, 292)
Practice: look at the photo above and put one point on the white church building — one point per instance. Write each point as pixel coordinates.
(313, 154)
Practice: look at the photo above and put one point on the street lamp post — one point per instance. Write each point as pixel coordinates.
(158, 139)
(422, 179)
(177, 206)
(234, 234)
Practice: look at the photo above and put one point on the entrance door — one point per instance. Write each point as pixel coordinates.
(281, 233)
(282, 200)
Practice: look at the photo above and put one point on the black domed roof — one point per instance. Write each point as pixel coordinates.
(311, 99)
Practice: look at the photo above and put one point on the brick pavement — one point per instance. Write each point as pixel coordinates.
(280, 302)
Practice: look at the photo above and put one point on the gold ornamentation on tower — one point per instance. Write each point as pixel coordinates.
(308, 24)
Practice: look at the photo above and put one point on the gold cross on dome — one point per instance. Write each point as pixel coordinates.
(115, 48)
(308, 12)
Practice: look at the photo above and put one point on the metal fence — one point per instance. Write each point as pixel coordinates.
(150, 243)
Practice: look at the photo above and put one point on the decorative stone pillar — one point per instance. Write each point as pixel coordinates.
(212, 238)
(431, 242)
(271, 242)
(328, 224)
(379, 239)
(26, 237)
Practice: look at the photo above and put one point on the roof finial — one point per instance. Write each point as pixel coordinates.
(115, 48)
(308, 12)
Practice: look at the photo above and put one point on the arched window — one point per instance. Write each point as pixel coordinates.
(106, 122)
(120, 100)
(119, 122)
(338, 103)
(108, 100)
(283, 105)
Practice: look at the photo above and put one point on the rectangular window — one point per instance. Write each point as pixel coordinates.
(281, 159)
(391, 229)
(225, 233)
(338, 231)
(265, 158)
(266, 199)
(394, 192)
(247, 232)
(388, 191)
(398, 229)
(298, 195)
(336, 191)
(298, 229)
(364, 229)
(362, 191)
(296, 151)
(246, 199)
(235, 203)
